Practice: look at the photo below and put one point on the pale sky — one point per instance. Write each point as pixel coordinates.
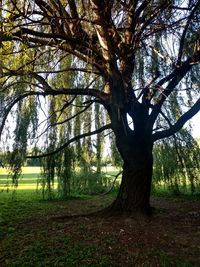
(196, 125)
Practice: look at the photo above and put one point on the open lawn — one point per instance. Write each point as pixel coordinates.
(31, 236)
(27, 181)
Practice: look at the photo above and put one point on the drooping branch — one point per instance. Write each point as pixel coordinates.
(103, 128)
(48, 90)
(66, 120)
(103, 98)
(179, 124)
(14, 102)
(182, 41)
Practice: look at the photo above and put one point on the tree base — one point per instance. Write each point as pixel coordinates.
(111, 211)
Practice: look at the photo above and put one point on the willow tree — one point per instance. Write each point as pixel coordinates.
(177, 163)
(145, 52)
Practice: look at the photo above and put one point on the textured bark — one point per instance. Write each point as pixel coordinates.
(135, 188)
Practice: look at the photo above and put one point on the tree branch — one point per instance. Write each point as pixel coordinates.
(174, 78)
(78, 137)
(48, 90)
(101, 28)
(179, 124)
(66, 120)
(70, 70)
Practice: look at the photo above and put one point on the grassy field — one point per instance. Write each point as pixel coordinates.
(27, 181)
(30, 178)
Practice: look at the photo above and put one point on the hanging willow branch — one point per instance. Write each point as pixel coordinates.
(108, 126)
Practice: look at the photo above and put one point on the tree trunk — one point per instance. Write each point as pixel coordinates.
(134, 193)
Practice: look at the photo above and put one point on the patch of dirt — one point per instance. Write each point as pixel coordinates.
(174, 229)
(170, 238)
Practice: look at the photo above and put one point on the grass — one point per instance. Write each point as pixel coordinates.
(29, 180)
(34, 244)
(29, 238)
(185, 193)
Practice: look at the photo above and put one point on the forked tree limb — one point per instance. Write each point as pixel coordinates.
(48, 90)
(66, 120)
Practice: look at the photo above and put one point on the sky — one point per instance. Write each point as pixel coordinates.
(196, 125)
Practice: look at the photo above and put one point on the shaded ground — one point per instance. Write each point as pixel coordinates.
(170, 238)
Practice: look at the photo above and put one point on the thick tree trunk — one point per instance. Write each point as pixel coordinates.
(135, 188)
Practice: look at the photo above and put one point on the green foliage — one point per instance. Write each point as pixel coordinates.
(64, 171)
(49, 163)
(48, 177)
(26, 117)
(99, 140)
(90, 183)
(176, 163)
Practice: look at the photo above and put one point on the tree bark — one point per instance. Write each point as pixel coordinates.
(134, 193)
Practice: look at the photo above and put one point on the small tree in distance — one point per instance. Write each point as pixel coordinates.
(144, 56)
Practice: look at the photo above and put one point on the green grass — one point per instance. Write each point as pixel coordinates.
(29, 179)
(29, 239)
(185, 193)
(44, 245)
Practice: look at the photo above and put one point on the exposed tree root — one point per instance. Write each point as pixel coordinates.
(98, 213)
(110, 211)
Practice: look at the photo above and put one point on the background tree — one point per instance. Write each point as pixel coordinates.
(177, 163)
(146, 52)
